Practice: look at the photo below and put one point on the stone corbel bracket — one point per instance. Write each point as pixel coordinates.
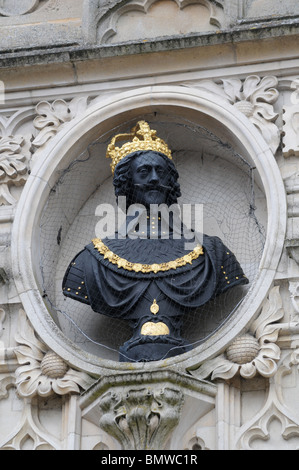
(141, 409)
(255, 352)
(108, 24)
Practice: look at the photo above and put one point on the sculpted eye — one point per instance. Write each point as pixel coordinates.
(143, 171)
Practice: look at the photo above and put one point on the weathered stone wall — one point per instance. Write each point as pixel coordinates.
(43, 24)
(73, 71)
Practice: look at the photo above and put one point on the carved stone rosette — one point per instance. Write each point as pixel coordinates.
(42, 372)
(254, 352)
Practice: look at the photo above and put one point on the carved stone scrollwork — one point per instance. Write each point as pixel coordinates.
(51, 117)
(14, 152)
(254, 97)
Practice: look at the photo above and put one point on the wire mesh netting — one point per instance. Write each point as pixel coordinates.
(210, 172)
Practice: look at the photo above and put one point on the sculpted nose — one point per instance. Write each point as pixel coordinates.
(154, 178)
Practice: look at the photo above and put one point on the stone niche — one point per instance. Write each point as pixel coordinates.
(222, 161)
(148, 19)
(205, 167)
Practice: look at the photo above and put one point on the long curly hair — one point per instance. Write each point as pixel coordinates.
(122, 180)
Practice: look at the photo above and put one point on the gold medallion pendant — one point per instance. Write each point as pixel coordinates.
(154, 307)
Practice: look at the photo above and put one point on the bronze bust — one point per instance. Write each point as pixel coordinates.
(144, 274)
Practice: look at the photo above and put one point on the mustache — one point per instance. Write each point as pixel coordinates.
(153, 186)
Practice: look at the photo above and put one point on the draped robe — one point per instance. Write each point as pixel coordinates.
(114, 291)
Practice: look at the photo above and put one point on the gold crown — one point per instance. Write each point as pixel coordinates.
(142, 137)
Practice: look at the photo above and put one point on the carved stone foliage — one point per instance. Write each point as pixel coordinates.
(42, 372)
(27, 433)
(11, 157)
(141, 409)
(14, 153)
(254, 352)
(52, 117)
(254, 97)
(17, 7)
(141, 418)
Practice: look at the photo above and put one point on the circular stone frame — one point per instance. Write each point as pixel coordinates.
(199, 106)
